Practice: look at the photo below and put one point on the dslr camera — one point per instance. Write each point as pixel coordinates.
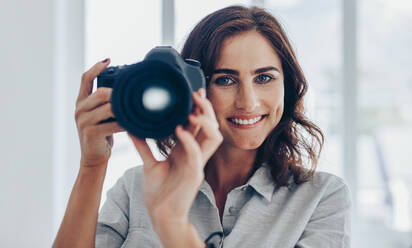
(150, 98)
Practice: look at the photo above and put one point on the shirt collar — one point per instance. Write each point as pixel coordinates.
(263, 182)
(207, 191)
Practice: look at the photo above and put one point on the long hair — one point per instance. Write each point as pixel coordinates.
(295, 141)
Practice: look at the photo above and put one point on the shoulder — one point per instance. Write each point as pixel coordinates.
(328, 211)
(326, 179)
(329, 182)
(133, 173)
(121, 209)
(325, 186)
(128, 183)
(132, 177)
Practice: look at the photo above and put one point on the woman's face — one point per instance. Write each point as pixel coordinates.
(246, 90)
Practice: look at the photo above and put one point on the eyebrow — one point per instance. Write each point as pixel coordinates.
(257, 71)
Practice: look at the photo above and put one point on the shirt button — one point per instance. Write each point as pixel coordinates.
(232, 210)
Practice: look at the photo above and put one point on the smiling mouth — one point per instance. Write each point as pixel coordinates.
(246, 122)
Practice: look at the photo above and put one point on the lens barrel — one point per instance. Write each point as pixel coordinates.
(152, 97)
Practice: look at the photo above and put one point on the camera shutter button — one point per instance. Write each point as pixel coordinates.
(192, 62)
(110, 70)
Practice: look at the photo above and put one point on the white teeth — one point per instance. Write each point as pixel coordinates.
(246, 122)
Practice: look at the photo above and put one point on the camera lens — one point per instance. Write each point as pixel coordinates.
(151, 98)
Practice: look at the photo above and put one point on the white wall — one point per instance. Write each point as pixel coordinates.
(41, 59)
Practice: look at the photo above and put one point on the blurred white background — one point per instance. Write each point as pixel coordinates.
(356, 55)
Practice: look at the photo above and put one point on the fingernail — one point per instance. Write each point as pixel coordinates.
(202, 92)
(105, 60)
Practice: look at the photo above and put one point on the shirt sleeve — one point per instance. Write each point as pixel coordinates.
(113, 220)
(330, 224)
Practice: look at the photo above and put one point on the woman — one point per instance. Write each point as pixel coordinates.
(238, 167)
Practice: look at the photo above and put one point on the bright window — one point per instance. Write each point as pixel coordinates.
(385, 121)
(125, 31)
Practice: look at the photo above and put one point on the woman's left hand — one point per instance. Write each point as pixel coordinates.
(170, 186)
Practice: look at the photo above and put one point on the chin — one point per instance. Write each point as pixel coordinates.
(248, 144)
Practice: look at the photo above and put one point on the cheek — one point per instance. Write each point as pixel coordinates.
(277, 104)
(279, 111)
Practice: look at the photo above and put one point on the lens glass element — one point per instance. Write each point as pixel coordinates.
(156, 98)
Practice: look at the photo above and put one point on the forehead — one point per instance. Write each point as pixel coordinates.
(247, 50)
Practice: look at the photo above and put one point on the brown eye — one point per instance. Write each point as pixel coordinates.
(225, 80)
(263, 78)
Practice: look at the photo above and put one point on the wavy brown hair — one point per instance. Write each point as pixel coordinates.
(295, 141)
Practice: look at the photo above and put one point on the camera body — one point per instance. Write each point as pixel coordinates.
(150, 98)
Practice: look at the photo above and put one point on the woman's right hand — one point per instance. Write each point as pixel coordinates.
(96, 139)
(78, 228)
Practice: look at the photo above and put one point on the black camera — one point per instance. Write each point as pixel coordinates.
(152, 97)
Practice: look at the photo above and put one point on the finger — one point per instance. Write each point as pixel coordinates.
(143, 149)
(95, 116)
(109, 128)
(209, 137)
(101, 96)
(202, 92)
(188, 142)
(209, 127)
(86, 86)
(192, 129)
(204, 105)
(197, 109)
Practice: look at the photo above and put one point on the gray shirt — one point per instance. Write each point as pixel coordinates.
(314, 214)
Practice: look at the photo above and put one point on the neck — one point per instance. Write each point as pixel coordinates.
(229, 168)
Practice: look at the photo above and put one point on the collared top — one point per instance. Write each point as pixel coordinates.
(258, 214)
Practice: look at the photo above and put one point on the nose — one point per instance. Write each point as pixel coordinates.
(247, 99)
